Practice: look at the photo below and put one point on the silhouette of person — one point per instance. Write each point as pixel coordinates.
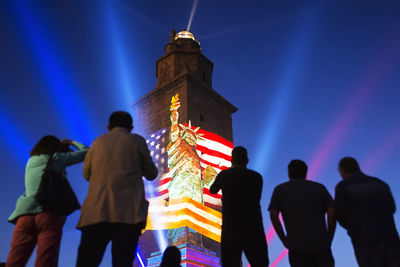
(115, 208)
(303, 205)
(364, 207)
(171, 257)
(242, 226)
(34, 225)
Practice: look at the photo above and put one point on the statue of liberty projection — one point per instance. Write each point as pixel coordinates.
(187, 179)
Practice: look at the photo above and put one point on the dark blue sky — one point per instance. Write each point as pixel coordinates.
(315, 80)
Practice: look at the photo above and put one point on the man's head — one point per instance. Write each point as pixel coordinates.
(239, 156)
(120, 119)
(348, 165)
(297, 169)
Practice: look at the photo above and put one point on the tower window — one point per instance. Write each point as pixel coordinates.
(204, 77)
(201, 118)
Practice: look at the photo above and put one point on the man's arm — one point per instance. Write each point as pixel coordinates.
(331, 222)
(217, 185)
(340, 205)
(274, 215)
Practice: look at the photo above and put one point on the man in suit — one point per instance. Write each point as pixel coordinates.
(364, 207)
(115, 208)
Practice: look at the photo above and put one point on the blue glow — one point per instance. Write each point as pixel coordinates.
(67, 102)
(139, 257)
(284, 92)
(12, 137)
(123, 74)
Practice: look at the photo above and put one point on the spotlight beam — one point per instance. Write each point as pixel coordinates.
(67, 101)
(192, 12)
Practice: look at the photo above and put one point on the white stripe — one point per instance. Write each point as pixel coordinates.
(170, 219)
(204, 165)
(216, 160)
(214, 145)
(212, 200)
(185, 205)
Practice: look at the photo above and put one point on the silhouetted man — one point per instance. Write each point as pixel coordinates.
(365, 207)
(303, 205)
(115, 208)
(242, 226)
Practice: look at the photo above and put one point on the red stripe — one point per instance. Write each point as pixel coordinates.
(212, 152)
(222, 167)
(206, 191)
(213, 136)
(164, 181)
(213, 206)
(165, 191)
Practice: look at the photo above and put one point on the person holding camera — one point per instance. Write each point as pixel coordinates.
(34, 224)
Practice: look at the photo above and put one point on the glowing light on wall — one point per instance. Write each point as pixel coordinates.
(67, 102)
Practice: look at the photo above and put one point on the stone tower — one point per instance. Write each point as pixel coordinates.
(185, 70)
(182, 210)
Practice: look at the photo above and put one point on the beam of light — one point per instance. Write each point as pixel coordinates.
(123, 73)
(11, 135)
(192, 12)
(233, 30)
(368, 84)
(280, 258)
(384, 149)
(67, 102)
(145, 19)
(363, 93)
(139, 257)
(284, 92)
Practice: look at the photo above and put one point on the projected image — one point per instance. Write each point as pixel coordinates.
(182, 211)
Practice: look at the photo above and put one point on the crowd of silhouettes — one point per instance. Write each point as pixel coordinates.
(363, 205)
(115, 209)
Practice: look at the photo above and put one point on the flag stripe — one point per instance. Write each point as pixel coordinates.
(213, 151)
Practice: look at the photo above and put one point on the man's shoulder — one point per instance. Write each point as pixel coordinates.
(282, 186)
(316, 185)
(241, 171)
(253, 173)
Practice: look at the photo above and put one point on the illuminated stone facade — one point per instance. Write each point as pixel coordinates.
(183, 69)
(189, 224)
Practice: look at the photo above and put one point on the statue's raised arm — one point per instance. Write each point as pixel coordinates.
(174, 117)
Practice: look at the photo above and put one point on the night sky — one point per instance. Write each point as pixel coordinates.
(314, 80)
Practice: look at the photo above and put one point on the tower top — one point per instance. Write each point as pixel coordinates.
(186, 35)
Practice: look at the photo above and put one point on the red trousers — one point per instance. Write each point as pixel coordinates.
(43, 229)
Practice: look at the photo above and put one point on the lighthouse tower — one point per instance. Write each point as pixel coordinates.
(188, 127)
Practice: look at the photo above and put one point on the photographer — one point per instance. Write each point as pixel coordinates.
(33, 224)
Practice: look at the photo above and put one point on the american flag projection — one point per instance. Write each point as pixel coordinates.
(213, 151)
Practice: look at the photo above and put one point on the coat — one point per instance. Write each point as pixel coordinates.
(114, 167)
(26, 203)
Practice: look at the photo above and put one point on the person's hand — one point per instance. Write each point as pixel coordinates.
(66, 142)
